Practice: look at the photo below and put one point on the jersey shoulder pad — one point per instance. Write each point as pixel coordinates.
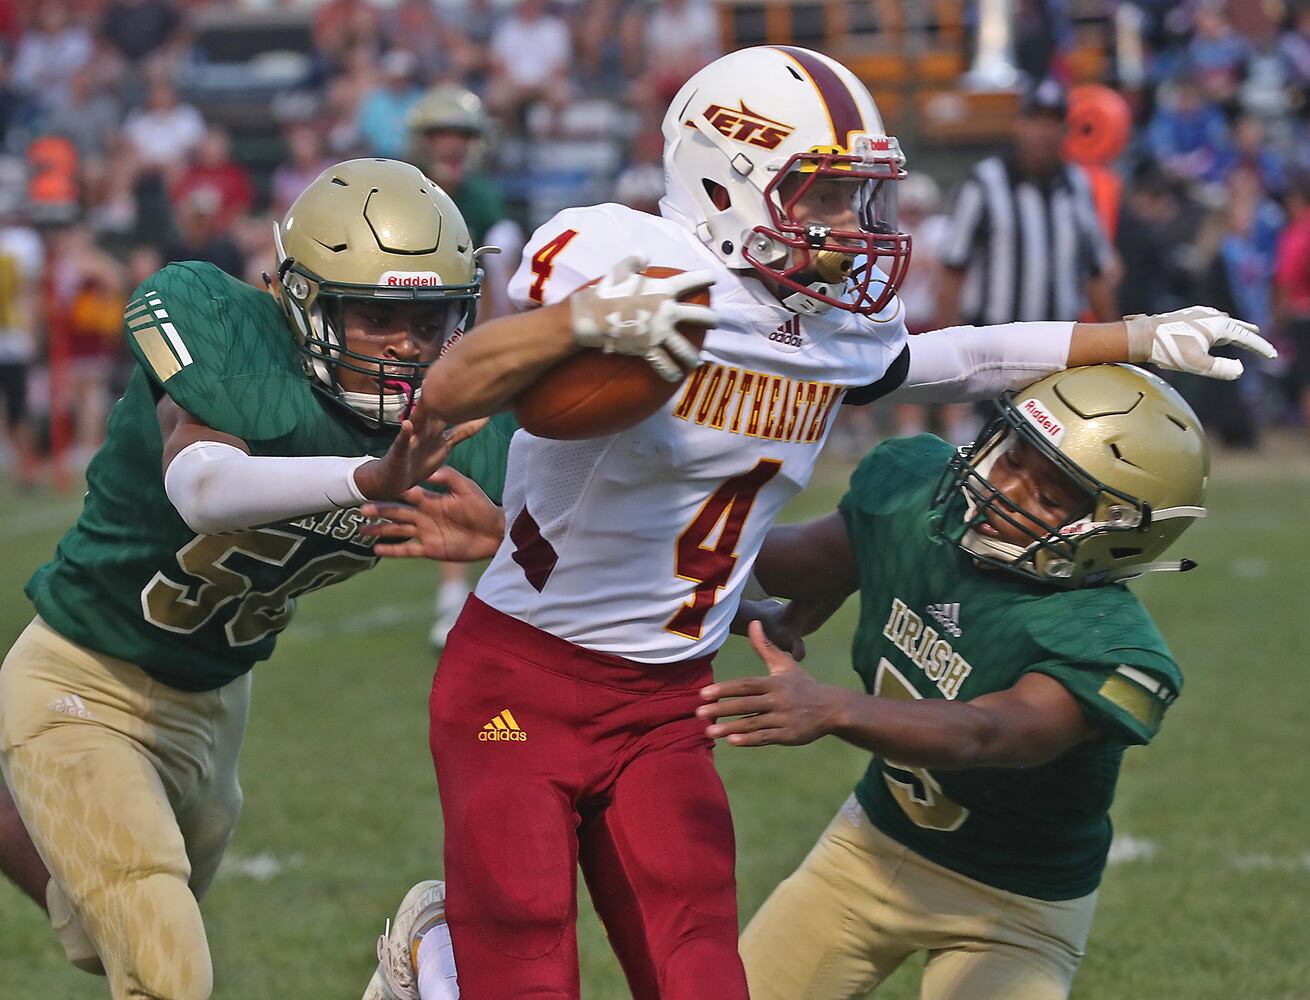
(1101, 644)
(218, 347)
(896, 473)
(579, 245)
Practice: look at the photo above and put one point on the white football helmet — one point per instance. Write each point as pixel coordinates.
(735, 135)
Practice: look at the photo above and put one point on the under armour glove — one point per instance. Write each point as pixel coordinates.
(627, 312)
(1181, 340)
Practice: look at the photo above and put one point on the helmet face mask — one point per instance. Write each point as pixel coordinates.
(736, 138)
(857, 269)
(372, 232)
(1132, 461)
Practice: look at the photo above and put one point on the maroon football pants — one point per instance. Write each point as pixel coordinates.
(549, 756)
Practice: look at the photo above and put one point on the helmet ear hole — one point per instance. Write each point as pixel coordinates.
(718, 194)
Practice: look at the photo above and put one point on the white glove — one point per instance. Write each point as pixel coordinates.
(1181, 340)
(627, 312)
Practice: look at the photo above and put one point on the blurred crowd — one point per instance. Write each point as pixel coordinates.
(134, 132)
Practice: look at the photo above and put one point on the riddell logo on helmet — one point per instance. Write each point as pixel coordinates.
(410, 279)
(745, 125)
(1037, 416)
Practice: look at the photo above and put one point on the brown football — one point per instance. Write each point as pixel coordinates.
(593, 394)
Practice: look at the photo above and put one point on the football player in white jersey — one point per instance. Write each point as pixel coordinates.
(563, 723)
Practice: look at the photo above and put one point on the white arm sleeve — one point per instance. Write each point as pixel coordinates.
(217, 487)
(964, 363)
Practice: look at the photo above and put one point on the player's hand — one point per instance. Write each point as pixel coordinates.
(627, 312)
(422, 446)
(460, 525)
(781, 624)
(1181, 341)
(788, 706)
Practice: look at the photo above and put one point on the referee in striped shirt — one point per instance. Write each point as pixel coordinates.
(1024, 241)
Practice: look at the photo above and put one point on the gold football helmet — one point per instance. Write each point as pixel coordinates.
(372, 229)
(1124, 439)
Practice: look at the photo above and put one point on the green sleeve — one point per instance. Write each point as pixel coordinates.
(1101, 644)
(482, 457)
(218, 347)
(1125, 700)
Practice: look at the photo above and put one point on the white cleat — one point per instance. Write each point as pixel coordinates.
(396, 977)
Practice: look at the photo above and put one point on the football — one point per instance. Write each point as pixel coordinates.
(594, 394)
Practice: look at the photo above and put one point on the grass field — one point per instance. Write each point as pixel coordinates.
(1210, 900)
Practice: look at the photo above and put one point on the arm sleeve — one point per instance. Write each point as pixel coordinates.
(964, 363)
(218, 488)
(1125, 701)
(965, 222)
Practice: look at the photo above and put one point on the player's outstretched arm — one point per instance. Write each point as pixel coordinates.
(458, 525)
(1029, 724)
(969, 363)
(217, 486)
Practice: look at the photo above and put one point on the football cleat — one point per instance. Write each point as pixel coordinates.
(396, 977)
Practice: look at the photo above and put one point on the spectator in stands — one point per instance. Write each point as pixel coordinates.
(214, 169)
(1239, 280)
(139, 28)
(1294, 47)
(341, 25)
(108, 194)
(48, 55)
(199, 235)
(1043, 39)
(164, 133)
(305, 160)
(674, 39)
(89, 290)
(477, 24)
(418, 27)
(1217, 53)
(381, 119)
(1250, 152)
(1188, 134)
(1292, 290)
(1158, 231)
(516, 82)
(22, 263)
(18, 112)
(91, 117)
(11, 24)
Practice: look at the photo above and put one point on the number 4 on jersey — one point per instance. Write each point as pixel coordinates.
(543, 264)
(710, 566)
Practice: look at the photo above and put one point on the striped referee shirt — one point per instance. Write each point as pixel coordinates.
(1027, 246)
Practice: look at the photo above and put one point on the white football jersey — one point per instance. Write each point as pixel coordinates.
(639, 544)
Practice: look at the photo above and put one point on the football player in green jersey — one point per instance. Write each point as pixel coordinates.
(229, 485)
(1006, 669)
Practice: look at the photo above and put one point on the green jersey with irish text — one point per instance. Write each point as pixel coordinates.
(130, 579)
(935, 625)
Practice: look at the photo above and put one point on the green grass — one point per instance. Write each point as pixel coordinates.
(339, 789)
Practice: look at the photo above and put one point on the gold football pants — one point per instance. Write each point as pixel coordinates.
(129, 790)
(861, 903)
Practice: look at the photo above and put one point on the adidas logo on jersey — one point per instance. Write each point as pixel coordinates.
(502, 728)
(947, 616)
(789, 334)
(71, 704)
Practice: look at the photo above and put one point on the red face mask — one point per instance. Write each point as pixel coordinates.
(852, 241)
